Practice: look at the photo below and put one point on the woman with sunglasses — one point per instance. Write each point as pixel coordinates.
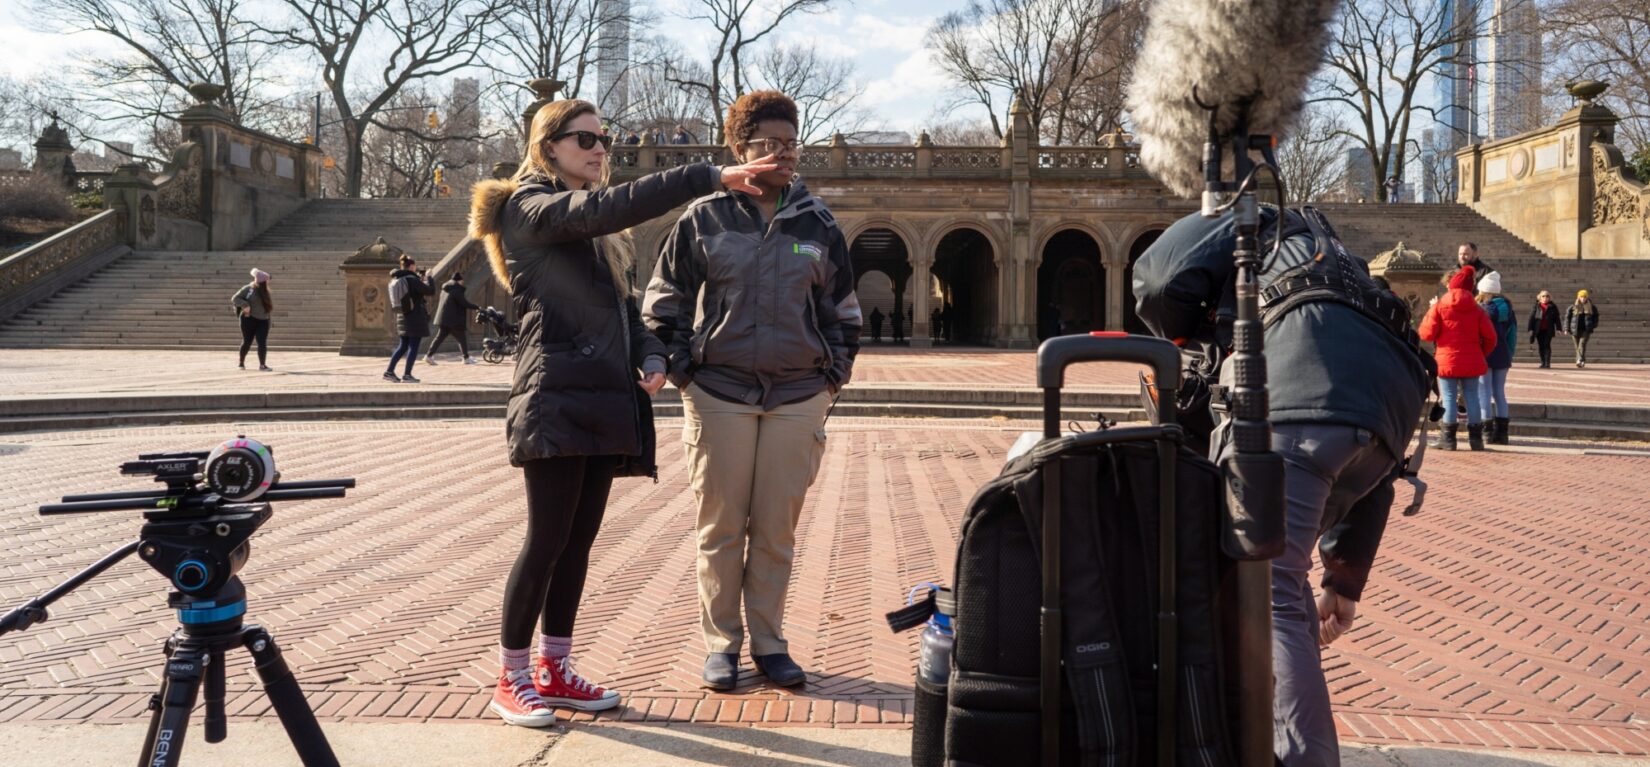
(556, 237)
(755, 296)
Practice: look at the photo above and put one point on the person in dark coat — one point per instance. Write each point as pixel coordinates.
(876, 325)
(451, 316)
(1580, 320)
(1544, 323)
(898, 320)
(1466, 254)
(412, 318)
(556, 238)
(1346, 397)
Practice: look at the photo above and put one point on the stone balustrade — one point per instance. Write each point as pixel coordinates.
(58, 261)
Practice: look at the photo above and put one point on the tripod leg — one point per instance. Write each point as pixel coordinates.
(216, 727)
(282, 688)
(164, 746)
(155, 706)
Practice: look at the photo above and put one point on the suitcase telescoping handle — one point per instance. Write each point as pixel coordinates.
(1060, 352)
(1053, 357)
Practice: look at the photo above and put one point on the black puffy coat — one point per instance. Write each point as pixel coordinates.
(450, 312)
(412, 318)
(580, 347)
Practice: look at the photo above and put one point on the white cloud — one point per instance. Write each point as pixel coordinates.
(910, 91)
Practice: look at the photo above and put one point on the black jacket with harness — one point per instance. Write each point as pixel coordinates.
(1339, 349)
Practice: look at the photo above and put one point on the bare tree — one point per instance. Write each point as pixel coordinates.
(822, 87)
(552, 38)
(1043, 51)
(739, 27)
(168, 45)
(960, 133)
(1095, 63)
(1607, 40)
(29, 105)
(1381, 55)
(1313, 158)
(405, 42)
(659, 101)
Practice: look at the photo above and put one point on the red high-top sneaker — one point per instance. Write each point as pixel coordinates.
(516, 700)
(559, 685)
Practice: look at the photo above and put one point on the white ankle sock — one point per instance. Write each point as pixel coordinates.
(514, 660)
(555, 647)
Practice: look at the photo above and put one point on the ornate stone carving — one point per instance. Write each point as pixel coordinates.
(369, 309)
(1615, 199)
(1073, 158)
(89, 237)
(146, 217)
(967, 159)
(815, 160)
(179, 190)
(882, 159)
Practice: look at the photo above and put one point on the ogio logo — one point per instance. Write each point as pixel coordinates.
(1096, 647)
(808, 249)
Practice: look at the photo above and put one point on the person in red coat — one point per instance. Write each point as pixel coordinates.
(1464, 336)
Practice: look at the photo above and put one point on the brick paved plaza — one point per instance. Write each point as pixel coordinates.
(1513, 613)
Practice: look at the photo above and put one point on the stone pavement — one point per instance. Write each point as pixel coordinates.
(1511, 614)
(61, 372)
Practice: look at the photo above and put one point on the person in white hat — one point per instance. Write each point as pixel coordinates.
(253, 304)
(1492, 386)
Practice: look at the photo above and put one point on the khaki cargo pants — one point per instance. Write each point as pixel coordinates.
(750, 472)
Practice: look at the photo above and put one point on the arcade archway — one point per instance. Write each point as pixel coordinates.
(965, 287)
(1071, 285)
(882, 272)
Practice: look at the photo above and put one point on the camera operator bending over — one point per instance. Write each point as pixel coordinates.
(1347, 387)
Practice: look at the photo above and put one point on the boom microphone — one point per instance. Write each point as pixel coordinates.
(1248, 58)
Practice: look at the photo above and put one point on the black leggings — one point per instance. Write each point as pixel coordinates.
(254, 328)
(566, 498)
(458, 333)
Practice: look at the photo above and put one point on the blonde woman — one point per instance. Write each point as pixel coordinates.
(555, 235)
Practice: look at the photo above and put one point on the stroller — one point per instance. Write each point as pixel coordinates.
(503, 342)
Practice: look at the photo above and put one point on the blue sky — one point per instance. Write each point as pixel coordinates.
(882, 37)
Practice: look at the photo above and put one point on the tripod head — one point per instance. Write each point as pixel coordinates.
(196, 531)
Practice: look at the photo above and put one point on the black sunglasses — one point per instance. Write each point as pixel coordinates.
(587, 139)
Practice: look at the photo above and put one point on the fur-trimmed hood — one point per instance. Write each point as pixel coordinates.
(487, 200)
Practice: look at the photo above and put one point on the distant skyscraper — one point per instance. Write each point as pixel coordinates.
(462, 157)
(1457, 79)
(1515, 69)
(613, 58)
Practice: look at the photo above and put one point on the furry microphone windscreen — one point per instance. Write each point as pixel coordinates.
(1229, 49)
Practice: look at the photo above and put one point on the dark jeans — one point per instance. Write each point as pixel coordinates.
(1545, 343)
(458, 333)
(1328, 468)
(566, 498)
(254, 328)
(408, 347)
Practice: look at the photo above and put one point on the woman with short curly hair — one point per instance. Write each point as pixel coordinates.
(754, 296)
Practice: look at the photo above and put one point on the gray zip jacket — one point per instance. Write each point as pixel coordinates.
(754, 312)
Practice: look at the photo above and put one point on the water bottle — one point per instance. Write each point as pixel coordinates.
(933, 677)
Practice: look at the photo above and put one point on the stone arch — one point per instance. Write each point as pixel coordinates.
(966, 277)
(883, 250)
(875, 290)
(1098, 234)
(996, 239)
(1071, 284)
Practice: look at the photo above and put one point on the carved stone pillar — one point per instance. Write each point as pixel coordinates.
(917, 288)
(369, 325)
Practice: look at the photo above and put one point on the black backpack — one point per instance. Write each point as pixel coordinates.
(1094, 658)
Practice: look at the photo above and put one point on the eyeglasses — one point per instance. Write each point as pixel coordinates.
(587, 139)
(774, 145)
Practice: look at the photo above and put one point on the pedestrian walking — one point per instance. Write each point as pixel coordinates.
(1464, 337)
(452, 316)
(410, 284)
(936, 326)
(253, 304)
(1543, 324)
(556, 237)
(1492, 389)
(876, 325)
(1393, 187)
(898, 321)
(1580, 320)
(758, 371)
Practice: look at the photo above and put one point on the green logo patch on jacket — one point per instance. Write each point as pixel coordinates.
(808, 249)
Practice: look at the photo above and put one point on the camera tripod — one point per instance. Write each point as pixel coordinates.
(199, 541)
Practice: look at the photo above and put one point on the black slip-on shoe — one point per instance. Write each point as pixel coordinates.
(722, 670)
(780, 669)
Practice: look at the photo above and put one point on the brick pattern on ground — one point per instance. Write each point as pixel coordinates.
(60, 372)
(1509, 614)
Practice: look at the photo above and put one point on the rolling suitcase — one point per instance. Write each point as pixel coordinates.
(1097, 620)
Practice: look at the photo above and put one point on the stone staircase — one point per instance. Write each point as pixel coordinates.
(180, 300)
(1436, 229)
